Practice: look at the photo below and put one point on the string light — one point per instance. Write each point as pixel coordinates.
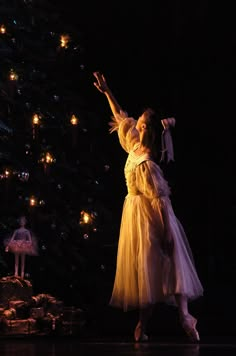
(47, 158)
(7, 173)
(64, 39)
(85, 218)
(74, 120)
(32, 201)
(35, 119)
(2, 29)
(13, 76)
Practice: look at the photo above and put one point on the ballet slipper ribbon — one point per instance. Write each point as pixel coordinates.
(167, 148)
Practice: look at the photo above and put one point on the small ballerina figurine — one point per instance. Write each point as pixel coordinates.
(21, 243)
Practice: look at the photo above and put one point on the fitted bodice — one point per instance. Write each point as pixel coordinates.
(21, 235)
(144, 176)
(132, 162)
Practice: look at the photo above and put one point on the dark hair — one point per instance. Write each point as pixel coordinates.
(152, 137)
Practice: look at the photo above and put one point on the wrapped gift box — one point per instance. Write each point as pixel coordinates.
(9, 314)
(20, 327)
(56, 307)
(16, 304)
(49, 324)
(37, 313)
(14, 288)
(21, 308)
(49, 303)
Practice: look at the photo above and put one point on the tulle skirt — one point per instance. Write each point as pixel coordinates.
(23, 247)
(144, 274)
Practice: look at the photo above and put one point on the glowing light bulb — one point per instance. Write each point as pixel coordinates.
(35, 119)
(7, 173)
(13, 76)
(48, 158)
(86, 218)
(74, 120)
(3, 29)
(64, 41)
(33, 201)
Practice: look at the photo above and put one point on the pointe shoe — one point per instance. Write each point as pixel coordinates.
(189, 325)
(139, 335)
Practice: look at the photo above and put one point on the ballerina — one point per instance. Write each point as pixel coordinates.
(21, 243)
(154, 259)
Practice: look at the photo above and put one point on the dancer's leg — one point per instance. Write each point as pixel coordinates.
(22, 265)
(16, 264)
(188, 322)
(144, 317)
(182, 303)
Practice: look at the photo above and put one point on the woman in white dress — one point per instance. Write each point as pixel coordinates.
(154, 259)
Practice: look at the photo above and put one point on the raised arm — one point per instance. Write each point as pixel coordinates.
(102, 86)
(125, 126)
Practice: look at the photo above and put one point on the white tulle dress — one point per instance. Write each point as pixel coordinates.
(144, 274)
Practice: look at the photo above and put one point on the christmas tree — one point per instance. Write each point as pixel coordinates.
(53, 165)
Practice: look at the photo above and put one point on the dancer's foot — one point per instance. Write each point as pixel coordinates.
(189, 323)
(139, 335)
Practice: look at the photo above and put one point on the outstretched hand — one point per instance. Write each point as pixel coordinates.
(101, 83)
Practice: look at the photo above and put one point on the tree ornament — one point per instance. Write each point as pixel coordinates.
(23, 176)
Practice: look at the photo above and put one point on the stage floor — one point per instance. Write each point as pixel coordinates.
(45, 346)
